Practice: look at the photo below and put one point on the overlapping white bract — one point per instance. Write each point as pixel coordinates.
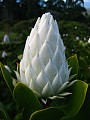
(44, 67)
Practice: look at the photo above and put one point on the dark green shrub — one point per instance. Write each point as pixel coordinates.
(69, 31)
(23, 25)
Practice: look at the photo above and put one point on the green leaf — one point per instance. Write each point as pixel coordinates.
(26, 99)
(75, 101)
(51, 113)
(20, 56)
(84, 113)
(7, 77)
(18, 117)
(73, 62)
(3, 112)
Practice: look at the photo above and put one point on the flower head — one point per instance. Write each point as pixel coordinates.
(44, 67)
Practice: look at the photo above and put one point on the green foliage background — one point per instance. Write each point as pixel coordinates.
(18, 32)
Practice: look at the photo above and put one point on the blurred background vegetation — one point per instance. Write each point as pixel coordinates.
(17, 17)
(28, 9)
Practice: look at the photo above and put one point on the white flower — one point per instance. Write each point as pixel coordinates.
(63, 34)
(44, 67)
(75, 27)
(77, 38)
(66, 34)
(4, 54)
(85, 39)
(6, 39)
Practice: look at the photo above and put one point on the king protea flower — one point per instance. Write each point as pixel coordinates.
(43, 67)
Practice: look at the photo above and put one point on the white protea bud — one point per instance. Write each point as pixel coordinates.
(44, 67)
(6, 39)
(4, 54)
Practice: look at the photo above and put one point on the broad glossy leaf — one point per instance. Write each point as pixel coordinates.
(73, 62)
(71, 104)
(75, 101)
(84, 113)
(3, 112)
(7, 77)
(26, 99)
(51, 113)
